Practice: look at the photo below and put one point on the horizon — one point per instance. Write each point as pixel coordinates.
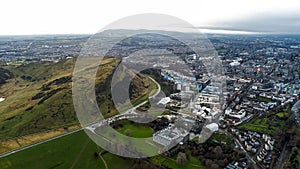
(204, 31)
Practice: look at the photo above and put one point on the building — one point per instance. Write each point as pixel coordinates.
(164, 101)
(235, 115)
(170, 135)
(213, 127)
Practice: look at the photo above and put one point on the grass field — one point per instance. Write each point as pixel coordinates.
(73, 151)
(220, 137)
(282, 114)
(11, 144)
(192, 163)
(264, 99)
(136, 130)
(76, 151)
(264, 125)
(222, 51)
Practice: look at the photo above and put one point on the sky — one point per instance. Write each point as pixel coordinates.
(27, 17)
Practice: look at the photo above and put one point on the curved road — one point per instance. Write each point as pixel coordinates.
(103, 160)
(144, 102)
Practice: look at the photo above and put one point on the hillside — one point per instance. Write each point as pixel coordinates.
(38, 96)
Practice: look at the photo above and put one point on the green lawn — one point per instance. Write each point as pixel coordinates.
(222, 138)
(116, 162)
(282, 114)
(73, 151)
(77, 151)
(222, 50)
(192, 163)
(137, 130)
(272, 127)
(264, 99)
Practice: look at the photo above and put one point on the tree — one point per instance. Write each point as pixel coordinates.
(208, 163)
(218, 151)
(215, 166)
(128, 133)
(181, 159)
(96, 154)
(225, 161)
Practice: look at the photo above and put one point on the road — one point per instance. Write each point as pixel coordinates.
(237, 142)
(130, 113)
(249, 158)
(63, 135)
(104, 162)
(158, 90)
(144, 102)
(279, 163)
(295, 110)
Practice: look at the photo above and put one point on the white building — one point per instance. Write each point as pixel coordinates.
(234, 63)
(164, 101)
(169, 135)
(213, 127)
(238, 115)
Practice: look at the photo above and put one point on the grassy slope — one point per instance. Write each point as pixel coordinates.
(21, 115)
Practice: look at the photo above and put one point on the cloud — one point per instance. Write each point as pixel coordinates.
(287, 23)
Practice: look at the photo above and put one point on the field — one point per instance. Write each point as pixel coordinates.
(282, 114)
(264, 125)
(222, 51)
(73, 151)
(264, 99)
(77, 151)
(11, 144)
(220, 137)
(192, 162)
(136, 130)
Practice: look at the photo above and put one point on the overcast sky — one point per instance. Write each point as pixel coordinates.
(23, 17)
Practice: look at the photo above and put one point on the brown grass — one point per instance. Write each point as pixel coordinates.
(11, 144)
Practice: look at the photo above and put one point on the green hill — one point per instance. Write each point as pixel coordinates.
(38, 96)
